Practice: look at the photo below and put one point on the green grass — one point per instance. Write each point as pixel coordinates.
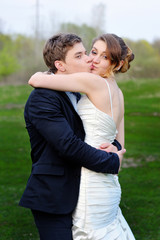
(140, 183)
(16, 223)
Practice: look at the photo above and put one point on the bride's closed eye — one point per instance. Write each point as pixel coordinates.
(93, 52)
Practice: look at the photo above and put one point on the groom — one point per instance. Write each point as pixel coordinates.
(58, 150)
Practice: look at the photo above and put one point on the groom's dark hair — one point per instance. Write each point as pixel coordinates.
(57, 47)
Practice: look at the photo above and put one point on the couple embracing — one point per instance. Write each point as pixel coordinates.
(73, 190)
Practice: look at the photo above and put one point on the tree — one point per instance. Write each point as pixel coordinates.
(8, 61)
(147, 60)
(156, 45)
(1, 26)
(86, 32)
(98, 19)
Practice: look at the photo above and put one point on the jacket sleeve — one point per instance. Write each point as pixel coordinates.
(117, 144)
(47, 117)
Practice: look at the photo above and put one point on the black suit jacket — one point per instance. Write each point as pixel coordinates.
(58, 153)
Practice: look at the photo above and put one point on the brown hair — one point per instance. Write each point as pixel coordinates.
(117, 50)
(56, 48)
(126, 54)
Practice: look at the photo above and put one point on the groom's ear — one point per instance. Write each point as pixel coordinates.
(60, 65)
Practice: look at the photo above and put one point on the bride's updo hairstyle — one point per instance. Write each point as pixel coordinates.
(118, 52)
(126, 54)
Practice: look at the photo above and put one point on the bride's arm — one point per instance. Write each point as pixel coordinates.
(120, 135)
(75, 82)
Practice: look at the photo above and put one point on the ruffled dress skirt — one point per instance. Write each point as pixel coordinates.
(97, 215)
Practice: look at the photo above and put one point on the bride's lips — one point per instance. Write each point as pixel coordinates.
(92, 67)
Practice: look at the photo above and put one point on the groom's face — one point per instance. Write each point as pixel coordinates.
(77, 60)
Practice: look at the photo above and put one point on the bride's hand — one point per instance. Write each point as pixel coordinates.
(108, 147)
(120, 155)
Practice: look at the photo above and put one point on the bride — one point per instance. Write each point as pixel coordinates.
(101, 108)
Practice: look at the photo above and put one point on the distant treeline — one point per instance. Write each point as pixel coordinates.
(21, 56)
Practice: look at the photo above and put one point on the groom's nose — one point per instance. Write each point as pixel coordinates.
(89, 59)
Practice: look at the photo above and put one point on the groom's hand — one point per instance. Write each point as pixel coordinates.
(108, 147)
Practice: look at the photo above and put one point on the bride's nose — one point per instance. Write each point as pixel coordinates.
(96, 59)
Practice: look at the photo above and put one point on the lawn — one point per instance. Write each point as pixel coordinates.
(139, 176)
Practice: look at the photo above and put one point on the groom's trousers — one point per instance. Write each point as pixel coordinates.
(52, 226)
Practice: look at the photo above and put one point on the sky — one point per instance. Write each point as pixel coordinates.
(133, 19)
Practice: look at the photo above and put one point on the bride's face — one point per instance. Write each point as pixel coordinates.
(100, 61)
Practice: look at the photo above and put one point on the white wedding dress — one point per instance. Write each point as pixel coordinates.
(97, 215)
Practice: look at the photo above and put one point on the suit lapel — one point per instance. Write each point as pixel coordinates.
(68, 101)
(64, 95)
